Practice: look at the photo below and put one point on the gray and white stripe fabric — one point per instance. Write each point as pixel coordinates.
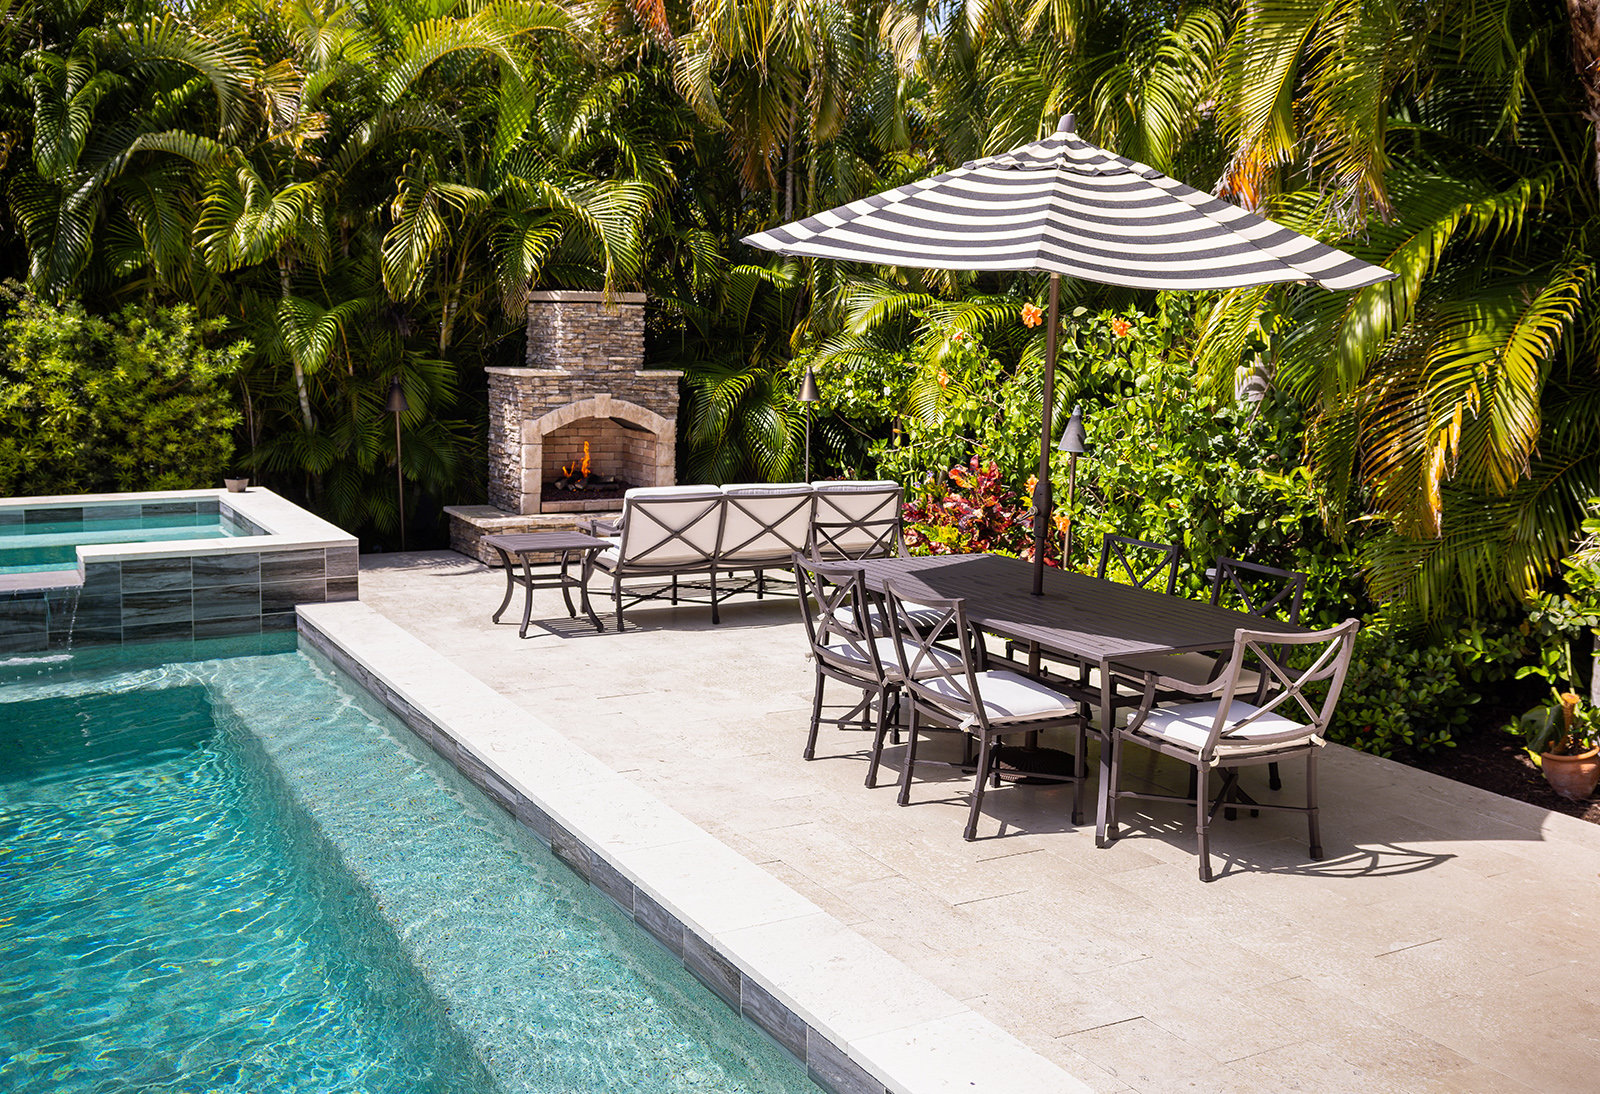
(1061, 205)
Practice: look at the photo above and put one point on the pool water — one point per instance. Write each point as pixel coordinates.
(53, 545)
(240, 874)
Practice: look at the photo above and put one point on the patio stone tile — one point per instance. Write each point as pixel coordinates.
(1313, 1067)
(1146, 1057)
(1407, 950)
(1475, 1079)
(1051, 1048)
(1198, 1005)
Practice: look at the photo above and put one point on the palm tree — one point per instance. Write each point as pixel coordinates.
(1455, 404)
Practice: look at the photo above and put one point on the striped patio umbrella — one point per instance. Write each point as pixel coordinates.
(1064, 207)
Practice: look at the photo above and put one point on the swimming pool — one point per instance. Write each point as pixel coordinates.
(42, 539)
(238, 873)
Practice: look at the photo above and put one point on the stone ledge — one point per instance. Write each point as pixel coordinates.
(583, 296)
(469, 524)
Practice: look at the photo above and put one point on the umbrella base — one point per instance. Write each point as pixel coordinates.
(1033, 765)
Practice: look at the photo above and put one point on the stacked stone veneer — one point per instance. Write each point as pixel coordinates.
(585, 377)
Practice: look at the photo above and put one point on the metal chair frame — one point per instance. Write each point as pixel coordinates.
(639, 514)
(958, 705)
(831, 599)
(1126, 549)
(1282, 687)
(832, 524)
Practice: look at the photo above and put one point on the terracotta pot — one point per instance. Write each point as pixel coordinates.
(236, 486)
(1573, 777)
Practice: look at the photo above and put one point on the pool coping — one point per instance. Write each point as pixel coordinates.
(858, 1019)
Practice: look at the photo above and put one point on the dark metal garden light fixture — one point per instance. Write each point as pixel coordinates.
(809, 395)
(1073, 443)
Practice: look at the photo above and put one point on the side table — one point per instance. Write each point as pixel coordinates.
(571, 546)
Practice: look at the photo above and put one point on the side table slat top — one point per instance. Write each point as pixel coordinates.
(523, 542)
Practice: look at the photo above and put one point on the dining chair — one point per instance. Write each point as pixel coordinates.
(1281, 719)
(1139, 562)
(957, 693)
(836, 604)
(1265, 592)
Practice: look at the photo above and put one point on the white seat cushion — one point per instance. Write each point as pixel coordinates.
(937, 660)
(1189, 725)
(921, 618)
(1010, 697)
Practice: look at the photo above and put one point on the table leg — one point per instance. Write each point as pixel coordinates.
(585, 569)
(511, 583)
(527, 605)
(566, 587)
(1106, 828)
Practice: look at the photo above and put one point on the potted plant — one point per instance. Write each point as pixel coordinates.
(1561, 737)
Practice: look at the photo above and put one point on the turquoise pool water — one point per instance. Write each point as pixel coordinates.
(239, 874)
(52, 545)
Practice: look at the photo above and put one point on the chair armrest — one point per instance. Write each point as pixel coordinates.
(600, 528)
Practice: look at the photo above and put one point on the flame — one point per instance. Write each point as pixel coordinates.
(585, 459)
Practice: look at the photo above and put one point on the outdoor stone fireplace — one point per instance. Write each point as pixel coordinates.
(584, 384)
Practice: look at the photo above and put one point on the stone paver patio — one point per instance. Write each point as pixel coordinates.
(1446, 943)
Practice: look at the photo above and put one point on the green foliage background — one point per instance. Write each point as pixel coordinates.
(134, 402)
(353, 192)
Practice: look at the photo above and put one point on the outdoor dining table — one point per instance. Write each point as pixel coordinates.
(1089, 619)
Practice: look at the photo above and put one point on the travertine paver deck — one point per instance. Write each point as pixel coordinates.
(1447, 942)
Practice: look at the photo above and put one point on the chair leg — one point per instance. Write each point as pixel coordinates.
(1202, 837)
(816, 719)
(911, 760)
(1311, 804)
(674, 597)
(1274, 780)
(986, 762)
(1080, 770)
(616, 597)
(716, 616)
(1110, 767)
(885, 699)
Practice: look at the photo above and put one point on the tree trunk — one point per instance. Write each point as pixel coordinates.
(299, 373)
(1584, 17)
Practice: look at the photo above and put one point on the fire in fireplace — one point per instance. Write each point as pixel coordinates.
(579, 481)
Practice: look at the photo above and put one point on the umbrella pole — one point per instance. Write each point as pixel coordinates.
(1041, 492)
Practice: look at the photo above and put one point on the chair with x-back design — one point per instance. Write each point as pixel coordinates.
(1243, 724)
(857, 520)
(951, 690)
(1139, 562)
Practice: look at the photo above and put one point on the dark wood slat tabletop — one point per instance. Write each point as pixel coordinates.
(1080, 616)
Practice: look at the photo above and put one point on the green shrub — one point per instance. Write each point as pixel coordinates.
(133, 402)
(1404, 693)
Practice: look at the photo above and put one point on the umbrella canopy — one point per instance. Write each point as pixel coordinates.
(1065, 207)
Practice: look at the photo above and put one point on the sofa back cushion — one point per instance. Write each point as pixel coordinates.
(766, 521)
(670, 525)
(857, 519)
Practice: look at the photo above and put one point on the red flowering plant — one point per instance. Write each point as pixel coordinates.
(977, 512)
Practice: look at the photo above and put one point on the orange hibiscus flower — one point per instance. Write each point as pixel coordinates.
(1032, 315)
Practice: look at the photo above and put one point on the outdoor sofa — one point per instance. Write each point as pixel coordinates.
(719, 540)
